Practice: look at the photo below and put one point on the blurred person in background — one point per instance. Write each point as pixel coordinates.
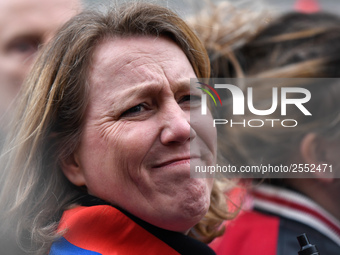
(25, 26)
(292, 46)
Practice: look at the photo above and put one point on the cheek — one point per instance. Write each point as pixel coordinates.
(113, 158)
(203, 126)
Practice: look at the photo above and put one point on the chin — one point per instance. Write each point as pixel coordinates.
(197, 201)
(196, 210)
(186, 216)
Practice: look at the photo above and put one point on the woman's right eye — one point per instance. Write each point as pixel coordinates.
(133, 111)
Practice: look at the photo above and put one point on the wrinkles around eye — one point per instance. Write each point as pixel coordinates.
(134, 111)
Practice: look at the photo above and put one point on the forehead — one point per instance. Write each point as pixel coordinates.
(129, 48)
(27, 15)
(139, 59)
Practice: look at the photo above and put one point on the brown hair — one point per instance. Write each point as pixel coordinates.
(294, 45)
(51, 114)
(224, 28)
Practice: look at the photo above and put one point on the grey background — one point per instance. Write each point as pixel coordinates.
(278, 6)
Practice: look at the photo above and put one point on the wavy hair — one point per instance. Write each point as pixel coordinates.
(50, 119)
(295, 45)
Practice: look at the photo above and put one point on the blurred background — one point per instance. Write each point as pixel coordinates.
(274, 5)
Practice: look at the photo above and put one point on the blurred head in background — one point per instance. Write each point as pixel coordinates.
(295, 45)
(25, 26)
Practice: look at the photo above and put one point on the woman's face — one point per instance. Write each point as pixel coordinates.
(135, 147)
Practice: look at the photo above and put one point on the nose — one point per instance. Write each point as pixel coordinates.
(176, 126)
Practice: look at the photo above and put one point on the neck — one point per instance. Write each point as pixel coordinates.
(323, 192)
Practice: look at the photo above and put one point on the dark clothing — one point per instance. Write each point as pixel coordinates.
(278, 216)
(104, 229)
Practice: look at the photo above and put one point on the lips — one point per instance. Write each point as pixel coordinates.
(175, 161)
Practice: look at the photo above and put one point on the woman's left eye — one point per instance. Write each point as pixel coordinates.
(185, 98)
(189, 98)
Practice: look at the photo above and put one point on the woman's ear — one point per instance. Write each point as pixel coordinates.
(314, 151)
(309, 149)
(72, 170)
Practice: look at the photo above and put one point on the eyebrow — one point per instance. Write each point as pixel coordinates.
(145, 90)
(155, 88)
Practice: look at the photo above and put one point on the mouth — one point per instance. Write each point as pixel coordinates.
(174, 162)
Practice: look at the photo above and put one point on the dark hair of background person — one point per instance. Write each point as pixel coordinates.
(295, 45)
